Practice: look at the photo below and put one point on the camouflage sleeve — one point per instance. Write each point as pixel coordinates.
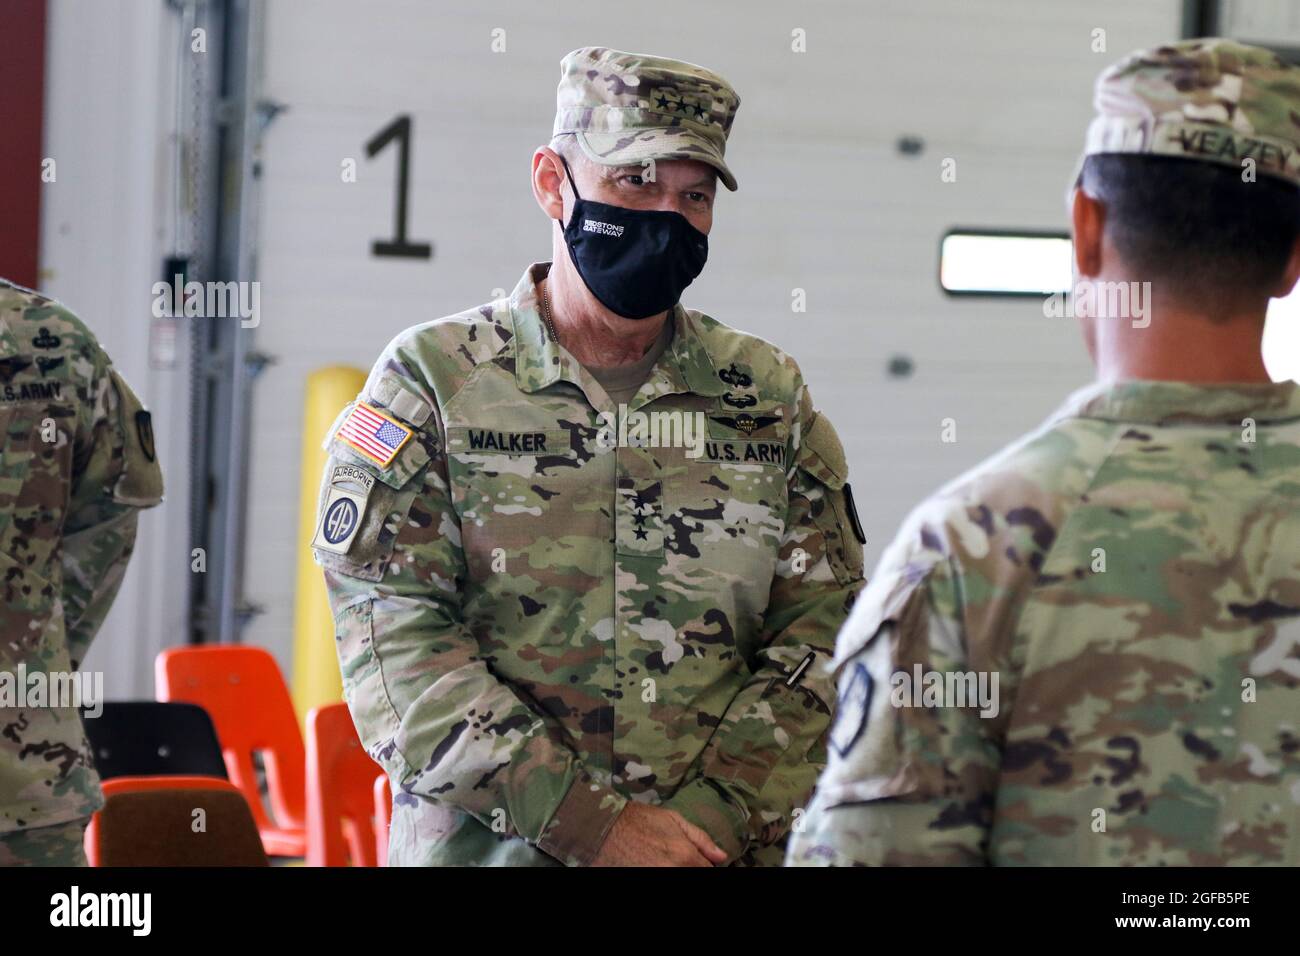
(911, 777)
(115, 474)
(425, 701)
(762, 761)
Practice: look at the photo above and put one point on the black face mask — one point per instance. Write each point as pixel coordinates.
(636, 262)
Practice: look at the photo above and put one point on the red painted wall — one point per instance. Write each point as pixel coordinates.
(22, 106)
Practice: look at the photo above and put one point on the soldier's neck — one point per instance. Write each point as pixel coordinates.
(590, 332)
(1184, 343)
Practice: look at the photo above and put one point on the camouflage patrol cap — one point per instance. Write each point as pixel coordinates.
(626, 108)
(1211, 99)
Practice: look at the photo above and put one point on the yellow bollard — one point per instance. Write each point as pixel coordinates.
(316, 678)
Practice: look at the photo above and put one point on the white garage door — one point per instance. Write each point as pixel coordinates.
(827, 204)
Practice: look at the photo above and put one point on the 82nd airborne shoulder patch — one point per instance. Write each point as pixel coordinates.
(345, 506)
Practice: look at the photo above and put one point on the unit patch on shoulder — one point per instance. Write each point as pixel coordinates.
(852, 711)
(344, 508)
(374, 434)
(144, 431)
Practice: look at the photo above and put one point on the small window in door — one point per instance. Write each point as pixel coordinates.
(997, 262)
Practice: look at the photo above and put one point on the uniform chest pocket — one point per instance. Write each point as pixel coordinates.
(725, 509)
(507, 477)
(35, 471)
(26, 603)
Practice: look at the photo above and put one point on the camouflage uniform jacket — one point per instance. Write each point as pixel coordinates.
(534, 627)
(1131, 572)
(78, 464)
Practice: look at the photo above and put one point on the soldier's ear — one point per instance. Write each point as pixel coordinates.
(1088, 219)
(548, 180)
(1291, 274)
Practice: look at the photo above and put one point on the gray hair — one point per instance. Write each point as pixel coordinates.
(566, 144)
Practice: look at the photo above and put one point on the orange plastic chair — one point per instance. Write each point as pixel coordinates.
(243, 691)
(340, 791)
(383, 818)
(149, 821)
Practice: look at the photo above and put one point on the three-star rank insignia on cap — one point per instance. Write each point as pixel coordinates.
(373, 434)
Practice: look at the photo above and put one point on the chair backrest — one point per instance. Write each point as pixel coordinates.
(383, 818)
(137, 738)
(173, 821)
(340, 791)
(245, 694)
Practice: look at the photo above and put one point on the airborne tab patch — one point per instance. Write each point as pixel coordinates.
(340, 519)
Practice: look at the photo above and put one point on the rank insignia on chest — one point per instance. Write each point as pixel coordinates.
(374, 434)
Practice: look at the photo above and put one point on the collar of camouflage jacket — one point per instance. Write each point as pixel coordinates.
(1162, 403)
(541, 361)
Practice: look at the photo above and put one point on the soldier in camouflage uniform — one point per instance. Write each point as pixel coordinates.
(1130, 572)
(78, 465)
(567, 640)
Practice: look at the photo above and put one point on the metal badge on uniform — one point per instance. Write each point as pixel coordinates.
(740, 383)
(746, 423)
(374, 434)
(345, 506)
(735, 377)
(12, 365)
(852, 711)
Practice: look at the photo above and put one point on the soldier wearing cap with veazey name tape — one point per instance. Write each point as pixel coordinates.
(77, 467)
(1129, 573)
(586, 547)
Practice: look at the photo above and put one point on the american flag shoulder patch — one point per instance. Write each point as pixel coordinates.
(374, 434)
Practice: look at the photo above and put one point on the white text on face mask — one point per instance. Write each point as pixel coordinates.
(603, 228)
